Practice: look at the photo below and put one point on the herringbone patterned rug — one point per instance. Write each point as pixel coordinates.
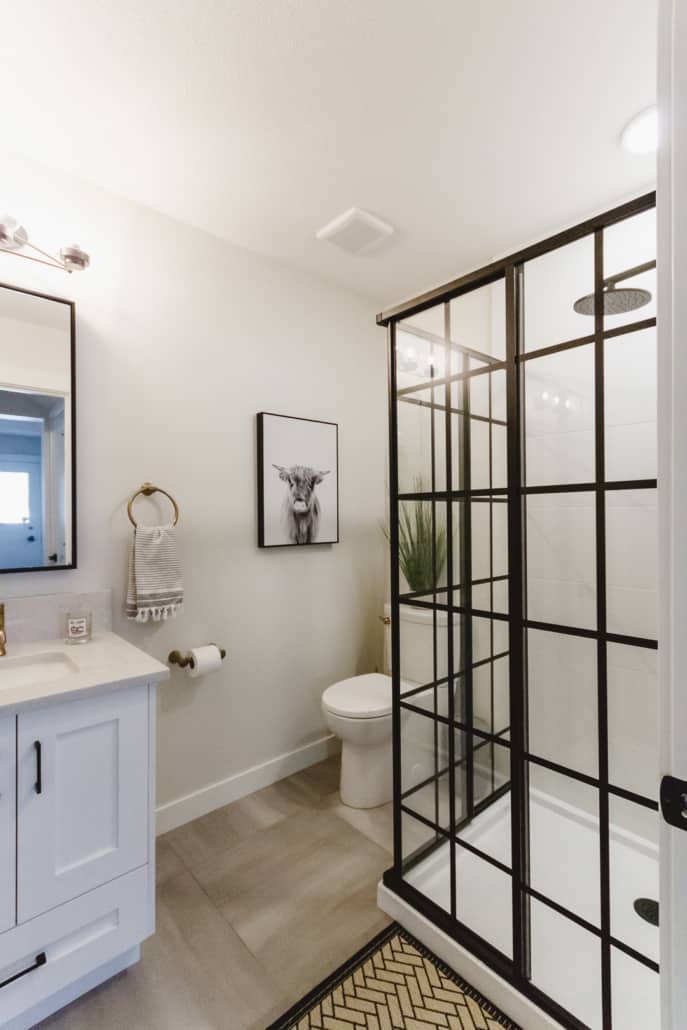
(394, 984)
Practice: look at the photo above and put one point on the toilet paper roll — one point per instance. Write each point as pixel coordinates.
(205, 659)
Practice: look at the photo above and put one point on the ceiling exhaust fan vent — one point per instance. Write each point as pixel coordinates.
(355, 231)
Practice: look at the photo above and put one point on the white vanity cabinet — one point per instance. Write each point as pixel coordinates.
(82, 814)
(8, 865)
(77, 836)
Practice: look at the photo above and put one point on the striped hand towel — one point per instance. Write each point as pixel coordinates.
(155, 590)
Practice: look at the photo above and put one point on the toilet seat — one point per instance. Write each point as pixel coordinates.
(360, 697)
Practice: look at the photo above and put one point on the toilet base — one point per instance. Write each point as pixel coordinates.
(366, 774)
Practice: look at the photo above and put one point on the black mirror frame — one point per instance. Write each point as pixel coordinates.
(72, 564)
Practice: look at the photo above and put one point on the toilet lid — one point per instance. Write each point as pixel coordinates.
(360, 697)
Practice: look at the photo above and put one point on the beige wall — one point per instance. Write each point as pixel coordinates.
(181, 340)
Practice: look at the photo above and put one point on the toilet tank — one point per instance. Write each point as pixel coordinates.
(417, 731)
(417, 646)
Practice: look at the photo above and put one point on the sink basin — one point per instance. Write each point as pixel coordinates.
(45, 667)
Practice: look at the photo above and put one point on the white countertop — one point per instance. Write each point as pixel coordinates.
(64, 671)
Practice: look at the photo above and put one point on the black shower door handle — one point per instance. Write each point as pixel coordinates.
(39, 766)
(674, 801)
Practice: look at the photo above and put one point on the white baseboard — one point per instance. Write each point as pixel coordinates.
(216, 795)
(465, 964)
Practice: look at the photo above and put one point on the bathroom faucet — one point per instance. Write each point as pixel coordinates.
(3, 634)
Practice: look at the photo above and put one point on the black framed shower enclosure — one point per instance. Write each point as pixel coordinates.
(488, 633)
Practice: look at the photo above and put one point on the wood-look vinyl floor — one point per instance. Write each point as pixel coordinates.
(257, 902)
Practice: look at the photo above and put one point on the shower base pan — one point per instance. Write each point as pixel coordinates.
(564, 864)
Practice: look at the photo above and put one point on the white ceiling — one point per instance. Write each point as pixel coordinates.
(473, 127)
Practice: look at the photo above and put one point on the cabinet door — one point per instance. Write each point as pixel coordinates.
(82, 812)
(8, 857)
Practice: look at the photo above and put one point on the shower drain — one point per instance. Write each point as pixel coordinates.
(647, 909)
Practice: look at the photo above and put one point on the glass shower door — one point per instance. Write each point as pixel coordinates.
(453, 635)
(588, 414)
(523, 537)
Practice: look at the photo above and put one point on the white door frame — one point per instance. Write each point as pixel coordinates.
(672, 471)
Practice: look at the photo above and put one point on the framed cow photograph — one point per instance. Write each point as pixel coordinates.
(298, 481)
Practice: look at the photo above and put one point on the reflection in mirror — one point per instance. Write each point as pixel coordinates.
(36, 427)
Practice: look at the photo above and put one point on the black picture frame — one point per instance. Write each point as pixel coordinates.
(72, 379)
(264, 540)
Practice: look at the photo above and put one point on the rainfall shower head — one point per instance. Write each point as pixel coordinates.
(616, 302)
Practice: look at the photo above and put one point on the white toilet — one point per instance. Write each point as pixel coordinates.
(358, 711)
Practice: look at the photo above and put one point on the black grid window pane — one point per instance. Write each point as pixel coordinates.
(579, 989)
(426, 857)
(489, 830)
(636, 992)
(422, 549)
(561, 559)
(552, 283)
(630, 261)
(562, 689)
(421, 432)
(634, 876)
(418, 839)
(478, 320)
(630, 406)
(460, 570)
(559, 406)
(482, 561)
(632, 585)
(425, 792)
(564, 842)
(633, 727)
(477, 879)
(417, 650)
(492, 777)
(489, 542)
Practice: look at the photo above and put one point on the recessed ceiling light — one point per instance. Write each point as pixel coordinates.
(640, 135)
(356, 231)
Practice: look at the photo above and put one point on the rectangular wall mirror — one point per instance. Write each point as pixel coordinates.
(37, 404)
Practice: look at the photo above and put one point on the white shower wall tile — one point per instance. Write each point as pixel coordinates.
(630, 406)
(558, 458)
(632, 562)
(499, 457)
(479, 453)
(561, 559)
(562, 692)
(631, 451)
(633, 726)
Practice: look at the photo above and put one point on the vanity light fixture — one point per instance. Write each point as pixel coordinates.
(14, 239)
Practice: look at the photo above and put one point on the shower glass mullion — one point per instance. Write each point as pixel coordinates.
(467, 701)
(602, 702)
(491, 581)
(435, 579)
(450, 579)
(394, 592)
(516, 568)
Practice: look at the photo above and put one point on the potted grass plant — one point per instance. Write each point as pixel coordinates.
(421, 544)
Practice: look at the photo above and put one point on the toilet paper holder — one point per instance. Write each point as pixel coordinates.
(182, 660)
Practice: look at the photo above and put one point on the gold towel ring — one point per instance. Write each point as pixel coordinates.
(147, 489)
